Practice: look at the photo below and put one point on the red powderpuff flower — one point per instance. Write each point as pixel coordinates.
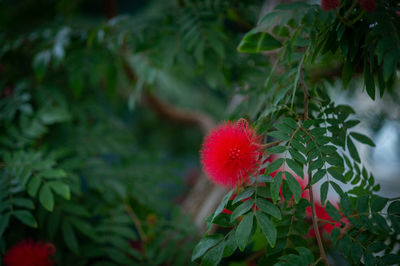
(28, 252)
(330, 4)
(326, 226)
(369, 5)
(230, 153)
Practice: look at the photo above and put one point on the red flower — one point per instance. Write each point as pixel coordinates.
(230, 153)
(28, 252)
(325, 226)
(369, 5)
(330, 4)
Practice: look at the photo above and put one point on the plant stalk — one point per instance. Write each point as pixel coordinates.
(315, 223)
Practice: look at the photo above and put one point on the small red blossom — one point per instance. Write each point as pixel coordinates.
(368, 5)
(325, 226)
(28, 252)
(330, 4)
(230, 153)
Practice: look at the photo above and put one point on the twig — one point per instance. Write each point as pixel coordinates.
(315, 223)
(136, 221)
(167, 110)
(342, 19)
(346, 16)
(314, 215)
(306, 95)
(271, 144)
(316, 262)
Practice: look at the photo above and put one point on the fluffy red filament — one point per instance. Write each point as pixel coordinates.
(330, 4)
(28, 252)
(368, 5)
(230, 153)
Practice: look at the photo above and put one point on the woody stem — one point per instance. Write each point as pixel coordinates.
(309, 185)
(315, 223)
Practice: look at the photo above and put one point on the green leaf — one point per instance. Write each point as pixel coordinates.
(347, 72)
(85, 228)
(46, 197)
(324, 192)
(4, 219)
(223, 203)
(276, 149)
(241, 209)
(337, 188)
(346, 205)
(257, 42)
(23, 202)
(69, 237)
(274, 166)
(378, 203)
(381, 222)
(26, 217)
(362, 138)
(306, 254)
(390, 62)
(269, 208)
(369, 82)
(318, 131)
(318, 176)
(76, 209)
(279, 135)
(328, 149)
(294, 186)
(205, 244)
(276, 186)
(336, 174)
(332, 211)
(295, 167)
(335, 234)
(356, 252)
(308, 123)
(243, 195)
(213, 255)
(54, 115)
(316, 164)
(53, 173)
(243, 231)
(33, 186)
(290, 122)
(284, 128)
(353, 150)
(362, 204)
(40, 63)
(297, 156)
(230, 244)
(391, 259)
(61, 189)
(267, 227)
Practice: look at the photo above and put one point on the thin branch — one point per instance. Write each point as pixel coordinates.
(316, 262)
(136, 221)
(348, 13)
(315, 223)
(167, 110)
(306, 95)
(271, 144)
(314, 215)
